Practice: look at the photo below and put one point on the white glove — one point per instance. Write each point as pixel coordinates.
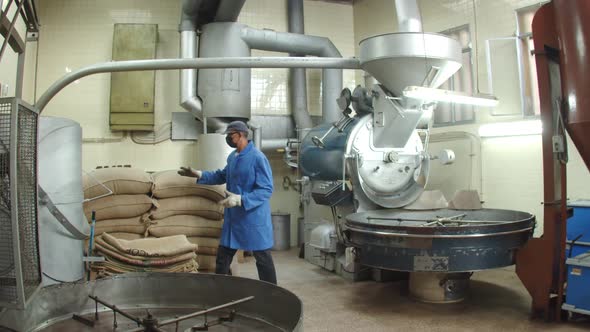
(231, 200)
(190, 172)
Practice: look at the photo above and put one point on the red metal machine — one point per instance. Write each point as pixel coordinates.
(561, 31)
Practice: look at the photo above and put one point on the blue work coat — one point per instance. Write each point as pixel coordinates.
(248, 173)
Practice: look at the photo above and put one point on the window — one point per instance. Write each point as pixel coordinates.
(447, 113)
(529, 85)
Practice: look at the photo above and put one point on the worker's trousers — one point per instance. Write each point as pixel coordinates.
(264, 263)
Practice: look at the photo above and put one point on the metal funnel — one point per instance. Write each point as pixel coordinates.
(399, 60)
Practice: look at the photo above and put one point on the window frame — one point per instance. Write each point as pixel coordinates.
(524, 38)
(467, 49)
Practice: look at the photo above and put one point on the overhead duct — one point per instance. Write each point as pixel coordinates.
(298, 79)
(189, 15)
(226, 91)
(229, 10)
(408, 16)
(188, 50)
(188, 77)
(269, 40)
(196, 13)
(229, 99)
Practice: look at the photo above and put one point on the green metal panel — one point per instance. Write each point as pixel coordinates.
(132, 93)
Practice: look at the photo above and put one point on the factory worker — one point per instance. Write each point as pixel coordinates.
(247, 221)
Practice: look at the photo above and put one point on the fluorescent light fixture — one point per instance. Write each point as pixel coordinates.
(422, 93)
(519, 128)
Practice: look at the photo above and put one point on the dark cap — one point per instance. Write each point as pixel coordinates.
(236, 126)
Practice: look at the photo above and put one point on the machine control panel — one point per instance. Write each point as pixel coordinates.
(329, 193)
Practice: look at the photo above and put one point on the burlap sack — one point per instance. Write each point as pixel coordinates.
(126, 236)
(186, 225)
(169, 184)
(121, 181)
(118, 235)
(187, 205)
(206, 263)
(118, 206)
(152, 247)
(109, 251)
(136, 225)
(206, 245)
(112, 267)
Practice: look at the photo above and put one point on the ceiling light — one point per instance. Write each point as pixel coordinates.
(519, 128)
(422, 93)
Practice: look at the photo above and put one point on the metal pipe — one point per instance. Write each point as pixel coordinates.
(203, 312)
(188, 77)
(169, 64)
(298, 79)
(115, 309)
(257, 134)
(229, 10)
(189, 15)
(408, 16)
(269, 40)
(273, 144)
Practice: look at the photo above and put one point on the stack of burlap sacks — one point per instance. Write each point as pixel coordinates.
(190, 209)
(156, 205)
(167, 254)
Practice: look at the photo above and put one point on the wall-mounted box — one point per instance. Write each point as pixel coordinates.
(132, 93)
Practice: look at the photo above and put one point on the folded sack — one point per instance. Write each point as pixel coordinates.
(152, 247)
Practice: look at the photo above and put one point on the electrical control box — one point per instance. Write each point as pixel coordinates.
(132, 93)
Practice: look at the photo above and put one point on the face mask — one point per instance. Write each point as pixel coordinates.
(228, 140)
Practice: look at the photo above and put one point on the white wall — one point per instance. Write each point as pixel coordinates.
(76, 33)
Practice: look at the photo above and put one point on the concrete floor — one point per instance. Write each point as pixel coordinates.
(497, 302)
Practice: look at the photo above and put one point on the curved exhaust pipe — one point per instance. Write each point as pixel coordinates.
(188, 77)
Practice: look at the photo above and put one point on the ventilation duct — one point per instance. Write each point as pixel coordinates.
(229, 10)
(273, 41)
(298, 79)
(408, 16)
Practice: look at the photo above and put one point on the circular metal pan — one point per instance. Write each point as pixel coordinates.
(442, 240)
(165, 296)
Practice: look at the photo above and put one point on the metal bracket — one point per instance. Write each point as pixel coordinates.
(32, 36)
(206, 325)
(45, 200)
(85, 321)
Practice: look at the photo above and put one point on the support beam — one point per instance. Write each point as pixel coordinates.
(15, 41)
